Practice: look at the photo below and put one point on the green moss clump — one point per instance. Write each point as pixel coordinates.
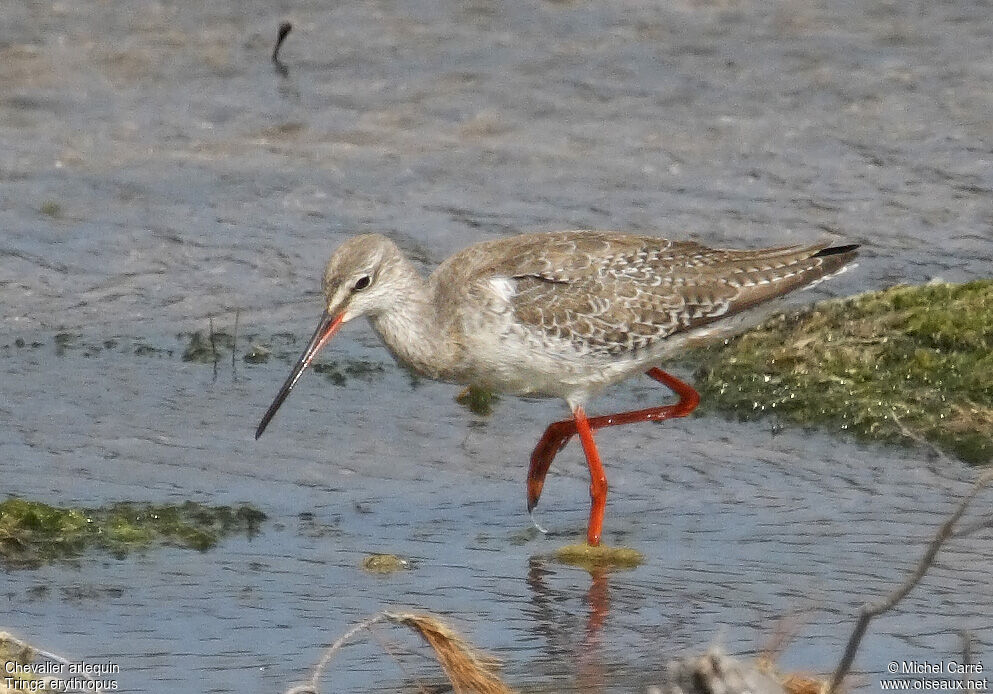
(922, 355)
(142, 349)
(50, 208)
(331, 372)
(601, 556)
(478, 400)
(207, 349)
(257, 354)
(338, 372)
(384, 563)
(200, 350)
(33, 533)
(63, 342)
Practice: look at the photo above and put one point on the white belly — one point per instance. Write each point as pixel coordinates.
(521, 363)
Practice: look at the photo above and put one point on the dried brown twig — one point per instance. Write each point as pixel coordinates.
(872, 610)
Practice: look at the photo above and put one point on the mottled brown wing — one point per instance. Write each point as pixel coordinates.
(640, 292)
(563, 255)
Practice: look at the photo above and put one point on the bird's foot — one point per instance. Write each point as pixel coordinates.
(535, 522)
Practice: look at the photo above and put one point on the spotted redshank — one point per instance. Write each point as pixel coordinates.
(561, 314)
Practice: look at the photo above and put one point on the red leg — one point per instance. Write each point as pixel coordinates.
(554, 439)
(557, 435)
(598, 478)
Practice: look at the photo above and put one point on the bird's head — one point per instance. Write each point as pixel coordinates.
(357, 281)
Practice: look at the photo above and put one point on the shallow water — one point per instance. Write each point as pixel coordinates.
(157, 171)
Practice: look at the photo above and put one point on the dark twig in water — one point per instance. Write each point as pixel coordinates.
(213, 343)
(870, 611)
(284, 30)
(234, 343)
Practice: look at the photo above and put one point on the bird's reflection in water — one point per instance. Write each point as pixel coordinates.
(590, 672)
(555, 624)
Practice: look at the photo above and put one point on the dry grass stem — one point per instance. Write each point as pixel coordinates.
(468, 670)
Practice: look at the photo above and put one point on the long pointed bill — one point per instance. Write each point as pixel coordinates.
(325, 329)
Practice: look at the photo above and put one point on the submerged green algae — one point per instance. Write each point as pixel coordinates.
(50, 208)
(207, 349)
(478, 400)
(590, 557)
(914, 358)
(339, 371)
(210, 347)
(33, 533)
(384, 563)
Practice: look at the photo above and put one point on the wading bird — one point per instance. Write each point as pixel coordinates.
(560, 314)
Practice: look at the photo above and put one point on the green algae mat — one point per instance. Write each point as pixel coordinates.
(918, 358)
(33, 533)
(599, 557)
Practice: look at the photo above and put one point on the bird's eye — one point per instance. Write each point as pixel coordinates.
(363, 282)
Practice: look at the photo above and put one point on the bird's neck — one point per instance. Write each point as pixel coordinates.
(413, 331)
